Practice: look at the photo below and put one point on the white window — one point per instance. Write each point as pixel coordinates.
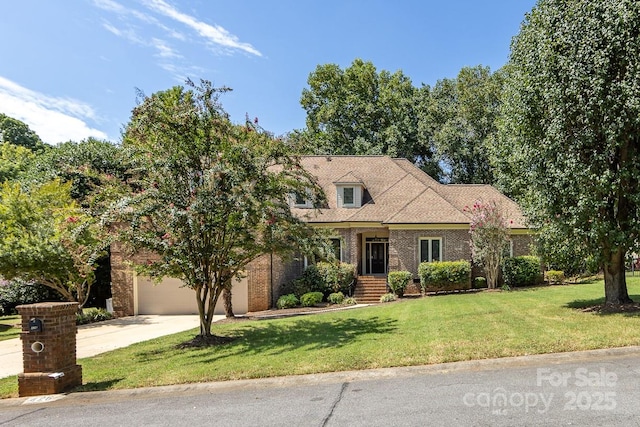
(430, 249)
(347, 196)
(301, 201)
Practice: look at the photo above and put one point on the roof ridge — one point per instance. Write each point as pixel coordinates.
(387, 189)
(399, 211)
(396, 213)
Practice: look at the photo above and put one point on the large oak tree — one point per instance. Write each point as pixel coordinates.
(571, 127)
(360, 110)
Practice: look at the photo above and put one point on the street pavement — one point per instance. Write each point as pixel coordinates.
(592, 388)
(105, 336)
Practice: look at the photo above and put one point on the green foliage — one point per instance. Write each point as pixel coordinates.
(445, 275)
(15, 132)
(350, 301)
(213, 195)
(387, 297)
(336, 276)
(521, 271)
(92, 315)
(359, 110)
(398, 281)
(310, 281)
(336, 298)
(287, 301)
(97, 171)
(458, 115)
(45, 237)
(311, 299)
(14, 160)
(555, 277)
(480, 282)
(570, 135)
(17, 292)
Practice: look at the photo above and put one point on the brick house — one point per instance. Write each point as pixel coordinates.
(384, 214)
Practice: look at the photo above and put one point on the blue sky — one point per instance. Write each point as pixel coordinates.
(70, 68)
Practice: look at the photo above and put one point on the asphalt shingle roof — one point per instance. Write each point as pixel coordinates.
(397, 192)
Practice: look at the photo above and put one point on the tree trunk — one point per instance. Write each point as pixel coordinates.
(228, 306)
(615, 283)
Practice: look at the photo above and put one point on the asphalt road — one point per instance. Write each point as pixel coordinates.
(599, 388)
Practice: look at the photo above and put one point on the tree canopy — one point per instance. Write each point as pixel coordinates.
(458, 117)
(213, 195)
(45, 237)
(18, 133)
(359, 111)
(570, 133)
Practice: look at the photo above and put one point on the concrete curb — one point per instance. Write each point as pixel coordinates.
(331, 377)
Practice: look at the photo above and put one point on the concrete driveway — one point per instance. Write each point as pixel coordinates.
(105, 336)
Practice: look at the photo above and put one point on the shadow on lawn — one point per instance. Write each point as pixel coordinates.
(273, 337)
(597, 306)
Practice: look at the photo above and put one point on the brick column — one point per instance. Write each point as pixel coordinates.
(49, 356)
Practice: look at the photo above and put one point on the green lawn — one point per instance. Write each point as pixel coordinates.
(7, 327)
(428, 330)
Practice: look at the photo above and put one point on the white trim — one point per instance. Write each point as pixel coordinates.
(429, 254)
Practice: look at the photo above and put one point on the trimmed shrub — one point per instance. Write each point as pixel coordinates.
(92, 315)
(387, 297)
(447, 275)
(17, 292)
(479, 282)
(336, 298)
(555, 277)
(335, 277)
(398, 281)
(521, 271)
(350, 301)
(310, 281)
(287, 301)
(311, 298)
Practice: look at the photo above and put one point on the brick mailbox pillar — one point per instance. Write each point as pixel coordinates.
(48, 348)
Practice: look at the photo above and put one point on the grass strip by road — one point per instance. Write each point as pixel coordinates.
(8, 329)
(428, 330)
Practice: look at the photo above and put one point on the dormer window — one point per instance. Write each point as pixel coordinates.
(301, 201)
(347, 196)
(349, 189)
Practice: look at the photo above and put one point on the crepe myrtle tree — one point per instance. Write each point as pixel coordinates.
(46, 238)
(489, 241)
(213, 195)
(570, 135)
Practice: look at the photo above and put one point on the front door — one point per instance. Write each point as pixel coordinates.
(377, 254)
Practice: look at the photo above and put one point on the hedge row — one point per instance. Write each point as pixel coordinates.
(447, 275)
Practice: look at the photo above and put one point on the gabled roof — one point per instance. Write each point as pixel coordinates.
(397, 192)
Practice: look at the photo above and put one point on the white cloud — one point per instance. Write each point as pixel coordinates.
(214, 34)
(164, 50)
(53, 119)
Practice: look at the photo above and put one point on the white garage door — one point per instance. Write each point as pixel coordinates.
(170, 297)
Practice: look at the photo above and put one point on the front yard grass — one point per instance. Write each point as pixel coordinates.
(428, 330)
(8, 329)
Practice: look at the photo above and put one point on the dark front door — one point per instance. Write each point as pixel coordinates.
(377, 254)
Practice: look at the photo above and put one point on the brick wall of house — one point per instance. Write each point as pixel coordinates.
(522, 244)
(404, 249)
(122, 278)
